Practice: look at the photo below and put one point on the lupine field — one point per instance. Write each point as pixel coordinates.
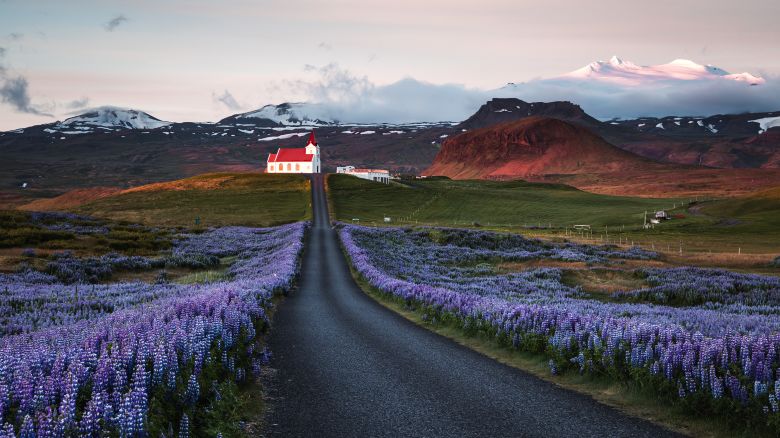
(706, 339)
(80, 356)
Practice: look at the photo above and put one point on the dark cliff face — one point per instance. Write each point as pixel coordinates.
(500, 110)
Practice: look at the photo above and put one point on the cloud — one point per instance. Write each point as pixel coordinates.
(324, 46)
(349, 97)
(332, 84)
(15, 36)
(115, 22)
(228, 100)
(14, 92)
(690, 98)
(78, 103)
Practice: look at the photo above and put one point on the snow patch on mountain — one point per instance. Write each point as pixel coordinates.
(292, 114)
(284, 136)
(621, 88)
(767, 123)
(113, 117)
(618, 71)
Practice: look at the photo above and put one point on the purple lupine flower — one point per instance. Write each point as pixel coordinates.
(193, 391)
(184, 427)
(116, 345)
(28, 428)
(731, 323)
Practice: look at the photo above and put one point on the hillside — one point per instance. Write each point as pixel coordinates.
(251, 199)
(71, 199)
(764, 204)
(551, 150)
(285, 114)
(445, 202)
(533, 146)
(54, 163)
(749, 140)
(500, 110)
(121, 148)
(750, 222)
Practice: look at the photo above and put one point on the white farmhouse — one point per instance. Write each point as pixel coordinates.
(296, 160)
(378, 175)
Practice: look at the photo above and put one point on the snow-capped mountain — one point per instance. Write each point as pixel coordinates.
(619, 71)
(113, 117)
(622, 89)
(285, 114)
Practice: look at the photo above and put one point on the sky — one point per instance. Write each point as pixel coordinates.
(192, 60)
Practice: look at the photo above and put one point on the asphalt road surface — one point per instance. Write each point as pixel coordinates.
(348, 367)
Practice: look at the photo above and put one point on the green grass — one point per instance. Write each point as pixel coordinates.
(761, 207)
(201, 277)
(447, 202)
(213, 200)
(208, 276)
(746, 225)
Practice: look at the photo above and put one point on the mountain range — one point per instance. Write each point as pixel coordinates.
(596, 86)
(115, 147)
(623, 72)
(550, 149)
(529, 147)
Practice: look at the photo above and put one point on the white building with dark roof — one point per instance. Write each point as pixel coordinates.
(378, 175)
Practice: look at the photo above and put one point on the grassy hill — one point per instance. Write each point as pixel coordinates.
(763, 205)
(251, 199)
(446, 202)
(748, 224)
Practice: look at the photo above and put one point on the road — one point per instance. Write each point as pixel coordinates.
(348, 367)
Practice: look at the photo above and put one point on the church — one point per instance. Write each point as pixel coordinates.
(296, 160)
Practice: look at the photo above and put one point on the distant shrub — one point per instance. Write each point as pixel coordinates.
(147, 245)
(124, 238)
(124, 235)
(162, 277)
(69, 269)
(192, 260)
(52, 217)
(30, 235)
(27, 275)
(123, 245)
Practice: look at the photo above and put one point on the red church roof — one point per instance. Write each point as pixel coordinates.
(285, 155)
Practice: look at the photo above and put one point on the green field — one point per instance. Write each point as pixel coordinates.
(447, 202)
(218, 199)
(739, 226)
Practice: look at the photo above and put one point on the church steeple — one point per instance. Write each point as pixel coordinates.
(311, 146)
